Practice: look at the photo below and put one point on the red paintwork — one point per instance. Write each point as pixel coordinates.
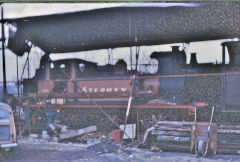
(115, 89)
(122, 106)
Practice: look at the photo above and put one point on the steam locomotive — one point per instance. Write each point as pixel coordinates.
(77, 87)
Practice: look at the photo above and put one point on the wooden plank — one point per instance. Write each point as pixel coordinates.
(171, 133)
(228, 151)
(178, 143)
(171, 126)
(174, 129)
(229, 141)
(229, 131)
(228, 136)
(229, 126)
(229, 146)
(174, 148)
(76, 133)
(175, 123)
(172, 138)
(228, 123)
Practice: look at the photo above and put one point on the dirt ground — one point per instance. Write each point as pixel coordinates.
(30, 150)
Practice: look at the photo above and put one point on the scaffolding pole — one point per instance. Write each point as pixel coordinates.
(3, 58)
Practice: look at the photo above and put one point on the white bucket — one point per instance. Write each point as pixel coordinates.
(45, 135)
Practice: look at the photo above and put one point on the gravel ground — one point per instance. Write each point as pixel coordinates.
(31, 150)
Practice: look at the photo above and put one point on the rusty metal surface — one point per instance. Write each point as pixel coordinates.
(117, 136)
(201, 132)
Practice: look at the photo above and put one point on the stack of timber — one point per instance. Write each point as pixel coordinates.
(229, 138)
(175, 136)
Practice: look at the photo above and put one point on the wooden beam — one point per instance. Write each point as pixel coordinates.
(75, 133)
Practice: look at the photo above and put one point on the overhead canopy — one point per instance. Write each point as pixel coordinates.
(120, 26)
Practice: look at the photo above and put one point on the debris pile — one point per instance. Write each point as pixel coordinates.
(61, 133)
(90, 136)
(105, 146)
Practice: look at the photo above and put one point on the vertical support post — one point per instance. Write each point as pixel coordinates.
(19, 122)
(132, 126)
(73, 65)
(209, 131)
(223, 78)
(3, 58)
(19, 114)
(130, 35)
(133, 79)
(29, 123)
(28, 66)
(131, 57)
(138, 124)
(17, 77)
(137, 55)
(195, 114)
(194, 129)
(25, 66)
(211, 116)
(109, 57)
(47, 77)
